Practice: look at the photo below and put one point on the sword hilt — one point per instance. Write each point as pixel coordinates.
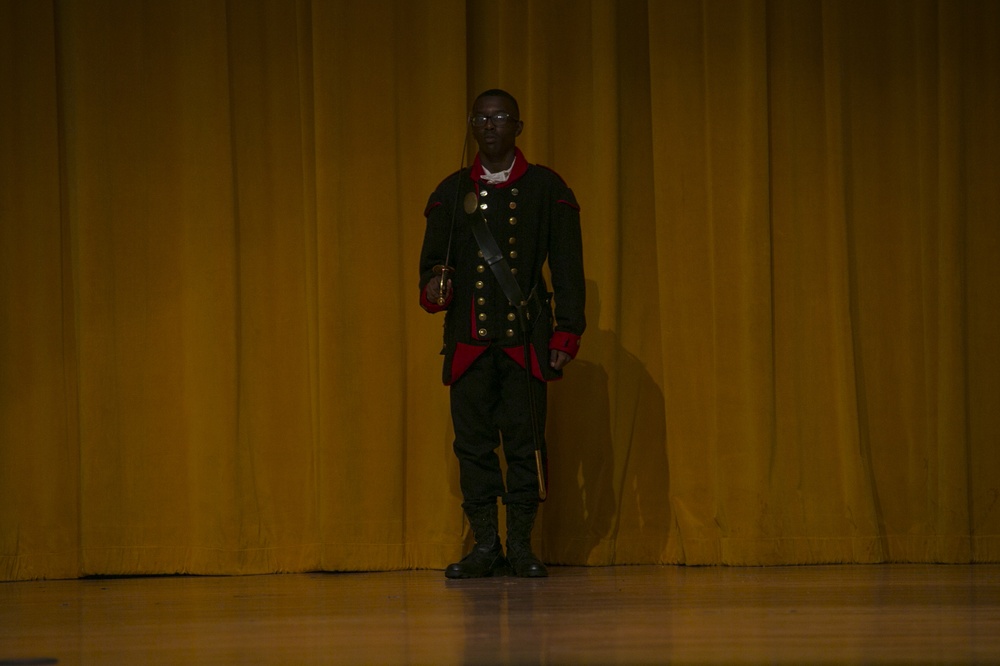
(442, 272)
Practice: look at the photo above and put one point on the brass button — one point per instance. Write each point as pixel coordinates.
(511, 240)
(510, 332)
(512, 220)
(469, 205)
(483, 206)
(483, 193)
(512, 204)
(482, 316)
(482, 332)
(513, 191)
(511, 316)
(481, 301)
(479, 254)
(514, 271)
(513, 254)
(480, 268)
(479, 284)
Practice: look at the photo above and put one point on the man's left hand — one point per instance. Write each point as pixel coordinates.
(558, 359)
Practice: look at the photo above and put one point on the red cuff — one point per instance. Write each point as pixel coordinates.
(565, 342)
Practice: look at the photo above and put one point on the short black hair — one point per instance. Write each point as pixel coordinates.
(497, 92)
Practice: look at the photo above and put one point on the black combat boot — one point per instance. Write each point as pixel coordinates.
(486, 558)
(520, 520)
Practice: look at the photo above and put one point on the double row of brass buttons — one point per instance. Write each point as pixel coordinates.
(481, 268)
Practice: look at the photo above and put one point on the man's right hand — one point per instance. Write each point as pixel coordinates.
(433, 291)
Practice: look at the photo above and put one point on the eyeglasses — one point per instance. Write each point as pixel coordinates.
(499, 119)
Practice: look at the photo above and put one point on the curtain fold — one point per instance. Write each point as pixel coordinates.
(39, 445)
(212, 359)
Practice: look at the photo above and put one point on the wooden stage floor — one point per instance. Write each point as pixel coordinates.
(602, 615)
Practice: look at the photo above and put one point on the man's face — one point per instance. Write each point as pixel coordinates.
(495, 139)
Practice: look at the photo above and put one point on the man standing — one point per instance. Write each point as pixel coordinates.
(490, 230)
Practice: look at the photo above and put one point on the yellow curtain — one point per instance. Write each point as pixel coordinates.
(212, 359)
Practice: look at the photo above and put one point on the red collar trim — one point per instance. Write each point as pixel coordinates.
(520, 168)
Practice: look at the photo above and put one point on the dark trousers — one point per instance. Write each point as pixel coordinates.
(489, 406)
